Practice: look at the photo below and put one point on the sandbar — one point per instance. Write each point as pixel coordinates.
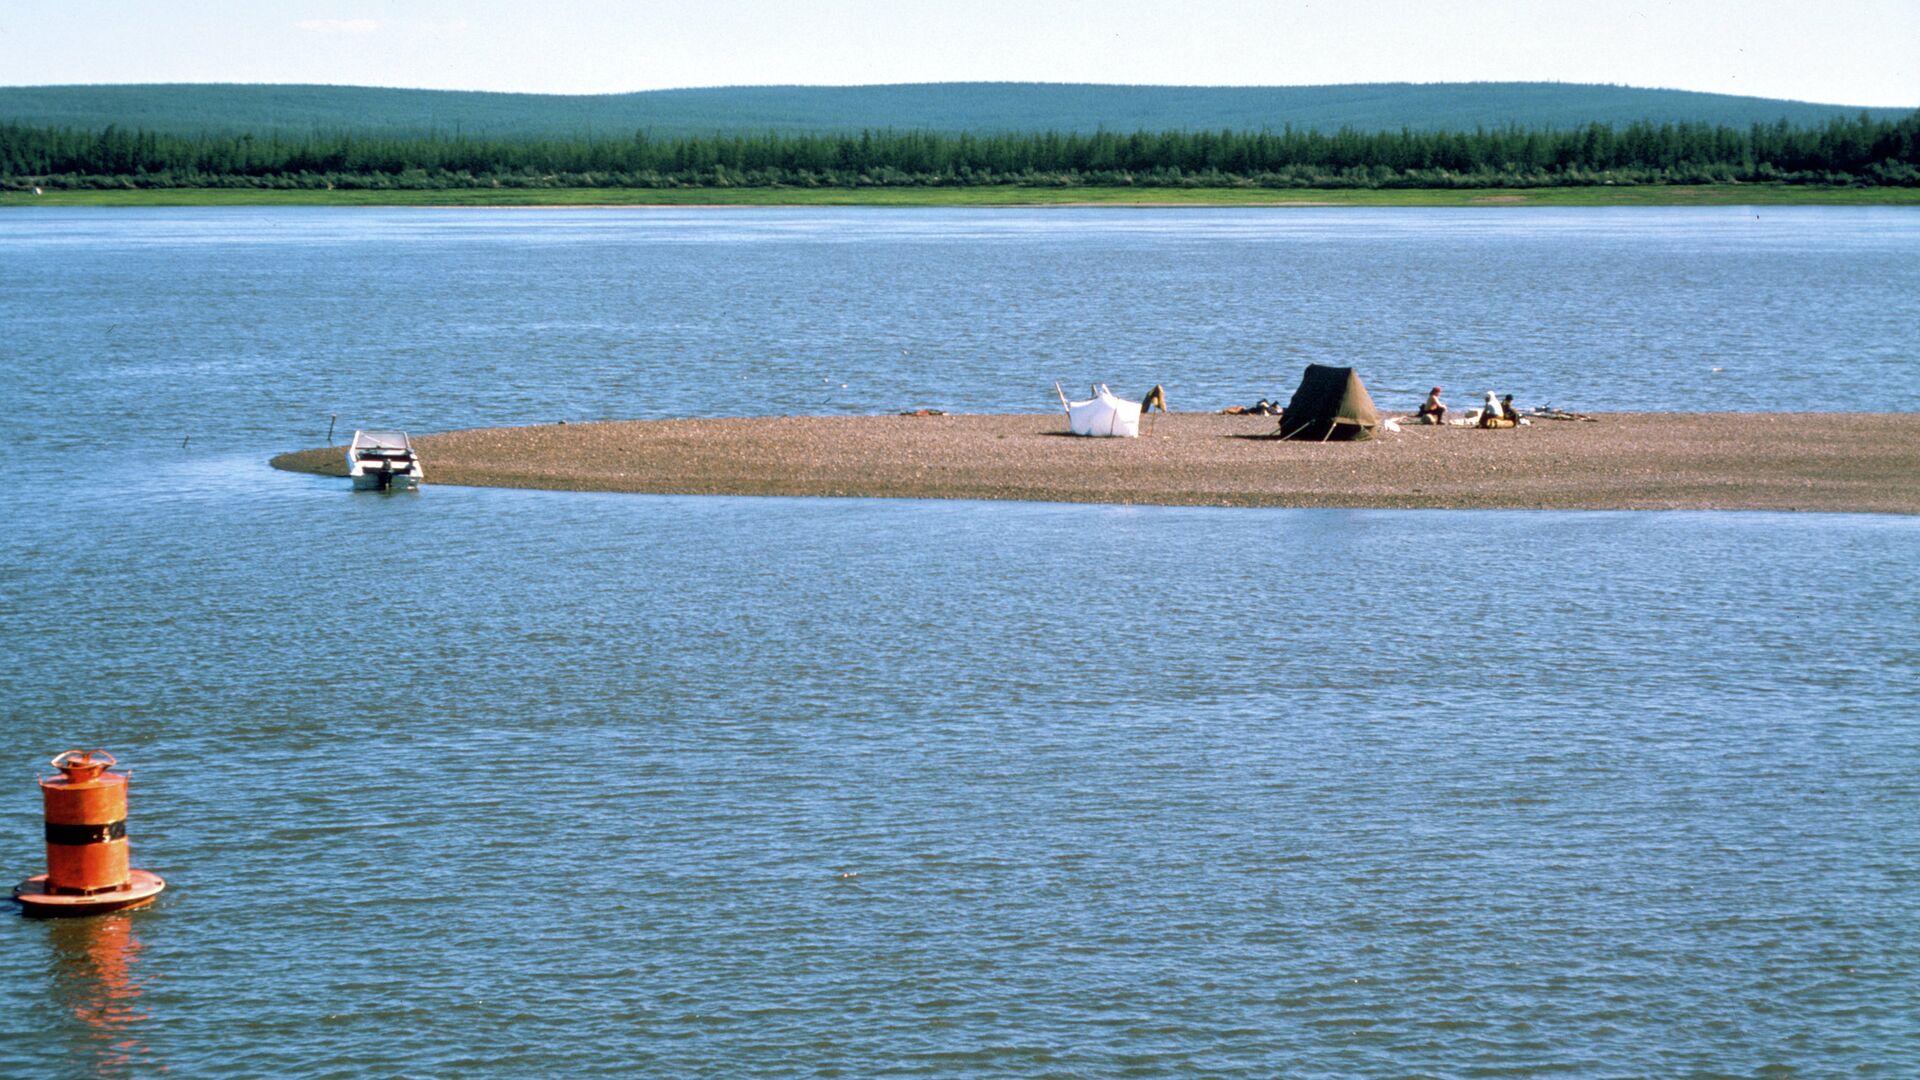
(1835, 462)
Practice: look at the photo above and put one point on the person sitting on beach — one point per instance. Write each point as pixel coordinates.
(1506, 408)
(1433, 410)
(1495, 415)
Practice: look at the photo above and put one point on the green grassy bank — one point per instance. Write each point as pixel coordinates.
(1651, 195)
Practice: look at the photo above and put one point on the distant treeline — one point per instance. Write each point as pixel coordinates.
(1862, 151)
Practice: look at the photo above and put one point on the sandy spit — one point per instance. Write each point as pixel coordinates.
(1864, 462)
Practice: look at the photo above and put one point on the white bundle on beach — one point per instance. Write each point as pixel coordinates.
(1103, 415)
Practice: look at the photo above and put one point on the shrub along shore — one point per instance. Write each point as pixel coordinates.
(1855, 462)
(1005, 195)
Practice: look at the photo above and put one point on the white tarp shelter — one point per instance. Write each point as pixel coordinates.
(1103, 414)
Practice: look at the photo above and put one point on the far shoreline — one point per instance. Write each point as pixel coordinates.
(1006, 196)
(1826, 462)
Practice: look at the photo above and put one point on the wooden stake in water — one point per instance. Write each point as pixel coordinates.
(330, 421)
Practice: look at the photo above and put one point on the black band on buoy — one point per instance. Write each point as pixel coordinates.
(76, 835)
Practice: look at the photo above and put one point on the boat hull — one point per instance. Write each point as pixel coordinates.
(374, 481)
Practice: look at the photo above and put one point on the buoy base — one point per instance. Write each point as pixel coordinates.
(34, 898)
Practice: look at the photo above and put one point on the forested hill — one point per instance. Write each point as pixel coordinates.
(941, 107)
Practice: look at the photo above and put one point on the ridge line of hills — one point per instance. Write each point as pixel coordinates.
(268, 109)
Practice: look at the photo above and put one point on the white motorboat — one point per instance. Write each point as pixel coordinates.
(383, 461)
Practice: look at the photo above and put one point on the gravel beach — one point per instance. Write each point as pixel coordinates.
(1864, 462)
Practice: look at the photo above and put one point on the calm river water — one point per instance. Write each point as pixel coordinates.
(478, 782)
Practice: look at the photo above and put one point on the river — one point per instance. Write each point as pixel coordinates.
(488, 782)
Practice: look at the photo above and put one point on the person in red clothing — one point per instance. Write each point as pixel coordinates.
(1433, 410)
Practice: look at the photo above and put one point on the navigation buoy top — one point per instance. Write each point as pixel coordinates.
(81, 766)
(88, 870)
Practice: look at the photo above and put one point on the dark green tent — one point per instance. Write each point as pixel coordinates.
(1329, 404)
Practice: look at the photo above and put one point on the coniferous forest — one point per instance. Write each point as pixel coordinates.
(1860, 151)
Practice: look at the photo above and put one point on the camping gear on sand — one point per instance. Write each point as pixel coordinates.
(1549, 412)
(1102, 415)
(1330, 403)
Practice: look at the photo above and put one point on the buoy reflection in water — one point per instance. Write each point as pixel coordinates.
(96, 976)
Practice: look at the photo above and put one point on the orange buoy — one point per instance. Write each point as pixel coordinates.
(87, 867)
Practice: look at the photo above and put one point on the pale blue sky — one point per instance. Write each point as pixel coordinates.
(1854, 52)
